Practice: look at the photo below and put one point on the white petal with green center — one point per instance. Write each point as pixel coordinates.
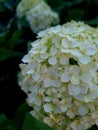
(74, 89)
(48, 99)
(65, 78)
(47, 82)
(44, 69)
(74, 70)
(36, 76)
(56, 83)
(38, 101)
(44, 56)
(76, 53)
(64, 60)
(44, 49)
(86, 77)
(91, 51)
(26, 58)
(84, 59)
(30, 72)
(83, 110)
(66, 43)
(64, 107)
(75, 80)
(84, 88)
(64, 50)
(75, 44)
(52, 60)
(53, 50)
(48, 107)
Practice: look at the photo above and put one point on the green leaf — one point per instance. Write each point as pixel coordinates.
(5, 123)
(89, 1)
(2, 8)
(67, 4)
(31, 123)
(77, 1)
(20, 115)
(14, 40)
(96, 1)
(3, 37)
(5, 54)
(75, 14)
(9, 127)
(58, 5)
(22, 23)
(93, 21)
(3, 120)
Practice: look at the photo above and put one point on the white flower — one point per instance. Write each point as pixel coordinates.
(38, 14)
(26, 5)
(52, 60)
(60, 76)
(48, 82)
(83, 110)
(48, 107)
(41, 17)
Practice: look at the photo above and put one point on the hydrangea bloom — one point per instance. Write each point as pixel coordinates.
(25, 5)
(38, 14)
(60, 76)
(41, 17)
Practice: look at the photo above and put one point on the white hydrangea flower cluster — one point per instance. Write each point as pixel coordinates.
(38, 14)
(41, 17)
(25, 5)
(60, 76)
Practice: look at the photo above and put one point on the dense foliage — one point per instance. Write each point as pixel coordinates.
(15, 34)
